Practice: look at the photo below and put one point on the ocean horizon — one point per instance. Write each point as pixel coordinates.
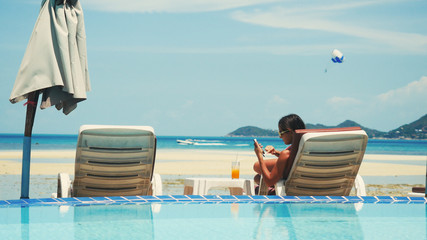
(10, 142)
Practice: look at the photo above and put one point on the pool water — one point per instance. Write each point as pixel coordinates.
(219, 219)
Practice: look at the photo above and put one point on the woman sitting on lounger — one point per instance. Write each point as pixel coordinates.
(272, 169)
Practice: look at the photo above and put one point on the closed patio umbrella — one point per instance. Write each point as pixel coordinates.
(54, 65)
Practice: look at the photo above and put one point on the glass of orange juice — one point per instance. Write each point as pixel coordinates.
(235, 170)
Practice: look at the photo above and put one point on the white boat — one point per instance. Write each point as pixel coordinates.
(199, 142)
(185, 142)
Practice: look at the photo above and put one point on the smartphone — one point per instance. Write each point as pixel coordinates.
(263, 153)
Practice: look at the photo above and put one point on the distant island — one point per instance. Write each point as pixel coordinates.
(414, 130)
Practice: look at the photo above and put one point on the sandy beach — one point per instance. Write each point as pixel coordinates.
(176, 165)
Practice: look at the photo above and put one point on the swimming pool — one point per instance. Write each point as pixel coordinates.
(214, 217)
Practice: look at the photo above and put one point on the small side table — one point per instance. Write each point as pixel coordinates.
(201, 186)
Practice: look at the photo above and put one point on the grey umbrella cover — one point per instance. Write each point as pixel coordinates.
(55, 61)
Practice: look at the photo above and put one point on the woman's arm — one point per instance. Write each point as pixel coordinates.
(276, 173)
(270, 149)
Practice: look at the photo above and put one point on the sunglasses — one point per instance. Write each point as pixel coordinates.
(283, 132)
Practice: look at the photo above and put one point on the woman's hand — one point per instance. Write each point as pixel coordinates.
(270, 149)
(258, 149)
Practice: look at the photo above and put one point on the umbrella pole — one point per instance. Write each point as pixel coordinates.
(33, 98)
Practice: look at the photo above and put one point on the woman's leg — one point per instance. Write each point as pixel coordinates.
(269, 162)
(257, 168)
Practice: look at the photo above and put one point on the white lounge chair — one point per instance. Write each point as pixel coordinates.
(113, 161)
(326, 163)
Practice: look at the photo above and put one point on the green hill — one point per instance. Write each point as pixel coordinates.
(250, 131)
(372, 133)
(414, 130)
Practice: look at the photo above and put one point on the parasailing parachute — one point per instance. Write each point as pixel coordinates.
(337, 56)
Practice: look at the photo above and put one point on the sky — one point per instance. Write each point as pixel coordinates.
(208, 67)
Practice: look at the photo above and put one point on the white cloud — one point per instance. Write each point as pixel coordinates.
(343, 101)
(402, 104)
(324, 18)
(301, 50)
(395, 107)
(169, 5)
(307, 15)
(277, 100)
(273, 107)
(414, 92)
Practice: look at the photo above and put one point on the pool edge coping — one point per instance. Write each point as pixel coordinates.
(81, 201)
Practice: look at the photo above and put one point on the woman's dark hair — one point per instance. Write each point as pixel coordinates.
(291, 121)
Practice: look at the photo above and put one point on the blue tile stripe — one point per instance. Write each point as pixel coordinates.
(209, 199)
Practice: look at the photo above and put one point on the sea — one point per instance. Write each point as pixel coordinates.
(12, 142)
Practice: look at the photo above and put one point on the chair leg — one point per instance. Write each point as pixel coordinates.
(188, 190)
(64, 186)
(156, 184)
(359, 185)
(236, 191)
(280, 188)
(249, 187)
(263, 188)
